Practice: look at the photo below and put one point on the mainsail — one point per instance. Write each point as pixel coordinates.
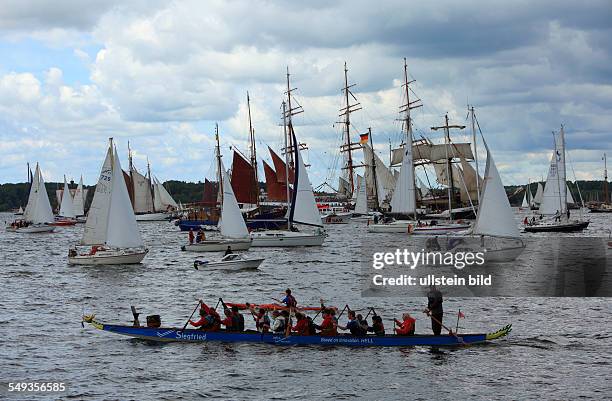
(38, 210)
(78, 201)
(537, 199)
(303, 208)
(143, 198)
(162, 200)
(361, 204)
(111, 220)
(570, 198)
(404, 194)
(231, 224)
(66, 209)
(243, 180)
(495, 216)
(554, 198)
(276, 191)
(385, 181)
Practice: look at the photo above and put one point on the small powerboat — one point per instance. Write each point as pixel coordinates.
(232, 261)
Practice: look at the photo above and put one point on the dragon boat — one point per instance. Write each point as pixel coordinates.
(170, 334)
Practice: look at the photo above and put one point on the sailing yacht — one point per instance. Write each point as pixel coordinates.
(302, 207)
(38, 215)
(537, 199)
(605, 206)
(78, 202)
(66, 215)
(553, 210)
(111, 233)
(231, 224)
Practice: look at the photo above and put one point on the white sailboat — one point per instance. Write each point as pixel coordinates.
(302, 209)
(111, 231)
(232, 226)
(78, 201)
(142, 192)
(232, 261)
(554, 206)
(495, 231)
(66, 215)
(537, 199)
(162, 200)
(38, 214)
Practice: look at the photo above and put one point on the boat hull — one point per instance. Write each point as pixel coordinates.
(199, 336)
(109, 258)
(152, 217)
(242, 264)
(218, 245)
(32, 229)
(409, 227)
(561, 227)
(343, 218)
(286, 239)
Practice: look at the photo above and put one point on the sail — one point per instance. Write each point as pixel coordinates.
(570, 198)
(430, 152)
(66, 209)
(303, 206)
(111, 219)
(537, 199)
(344, 187)
(38, 209)
(441, 170)
(385, 181)
(495, 216)
(525, 202)
(231, 224)
(361, 204)
(404, 194)
(469, 186)
(143, 198)
(554, 198)
(279, 167)
(276, 191)
(162, 199)
(78, 201)
(425, 191)
(243, 180)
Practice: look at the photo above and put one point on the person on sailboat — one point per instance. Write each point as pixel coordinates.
(228, 251)
(435, 309)
(568, 214)
(557, 216)
(406, 327)
(377, 327)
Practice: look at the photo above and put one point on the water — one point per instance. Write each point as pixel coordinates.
(559, 349)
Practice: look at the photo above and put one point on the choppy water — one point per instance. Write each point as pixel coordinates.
(560, 348)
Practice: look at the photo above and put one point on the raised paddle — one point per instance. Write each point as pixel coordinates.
(428, 313)
(194, 310)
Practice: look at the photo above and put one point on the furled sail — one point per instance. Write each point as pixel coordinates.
(66, 208)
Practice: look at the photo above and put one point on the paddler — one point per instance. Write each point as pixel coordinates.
(406, 327)
(237, 319)
(377, 327)
(435, 309)
(353, 325)
(205, 321)
(302, 327)
(289, 299)
(262, 320)
(228, 322)
(280, 323)
(328, 326)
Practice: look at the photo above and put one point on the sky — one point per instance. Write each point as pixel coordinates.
(160, 75)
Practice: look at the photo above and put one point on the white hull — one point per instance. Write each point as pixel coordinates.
(218, 245)
(109, 257)
(440, 229)
(495, 249)
(152, 217)
(32, 229)
(410, 227)
(240, 264)
(274, 238)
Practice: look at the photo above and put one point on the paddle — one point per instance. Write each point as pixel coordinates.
(428, 313)
(194, 310)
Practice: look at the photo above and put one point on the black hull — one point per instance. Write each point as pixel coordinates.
(560, 228)
(595, 210)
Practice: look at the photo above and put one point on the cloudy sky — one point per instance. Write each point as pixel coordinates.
(160, 74)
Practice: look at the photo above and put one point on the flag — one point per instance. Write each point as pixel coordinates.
(460, 315)
(363, 138)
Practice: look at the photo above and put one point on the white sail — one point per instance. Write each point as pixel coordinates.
(78, 202)
(162, 198)
(361, 204)
(385, 180)
(111, 219)
(38, 209)
(425, 191)
(570, 198)
(231, 224)
(66, 209)
(404, 194)
(143, 198)
(468, 186)
(303, 208)
(525, 203)
(495, 216)
(554, 197)
(537, 199)
(433, 152)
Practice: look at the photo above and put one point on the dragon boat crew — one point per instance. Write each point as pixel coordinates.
(406, 327)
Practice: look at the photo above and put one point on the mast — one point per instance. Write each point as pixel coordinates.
(347, 146)
(408, 120)
(218, 151)
(449, 159)
(473, 115)
(377, 208)
(290, 111)
(253, 151)
(564, 183)
(606, 195)
(286, 164)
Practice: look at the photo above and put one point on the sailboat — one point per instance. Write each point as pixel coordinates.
(19, 212)
(66, 215)
(231, 224)
(38, 215)
(495, 231)
(302, 208)
(78, 202)
(111, 232)
(403, 200)
(606, 206)
(537, 199)
(554, 200)
(142, 194)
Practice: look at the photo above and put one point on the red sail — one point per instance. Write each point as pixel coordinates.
(279, 166)
(276, 191)
(210, 193)
(243, 180)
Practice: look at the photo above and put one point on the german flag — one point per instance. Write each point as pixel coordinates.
(363, 138)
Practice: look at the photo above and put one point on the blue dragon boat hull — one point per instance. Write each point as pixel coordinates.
(189, 335)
